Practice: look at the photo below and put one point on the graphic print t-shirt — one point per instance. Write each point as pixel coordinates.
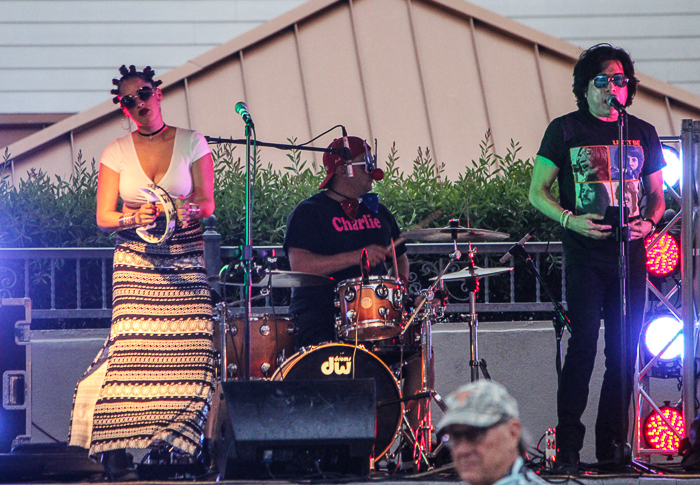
(596, 171)
(320, 225)
(586, 151)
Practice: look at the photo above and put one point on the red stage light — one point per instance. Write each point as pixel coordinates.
(663, 258)
(657, 433)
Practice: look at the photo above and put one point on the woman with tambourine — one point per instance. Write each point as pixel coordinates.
(152, 384)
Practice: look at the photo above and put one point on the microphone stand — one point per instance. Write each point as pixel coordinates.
(279, 146)
(561, 318)
(247, 254)
(622, 233)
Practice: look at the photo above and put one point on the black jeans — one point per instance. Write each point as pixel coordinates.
(315, 327)
(592, 293)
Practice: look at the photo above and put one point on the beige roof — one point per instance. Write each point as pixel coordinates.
(435, 73)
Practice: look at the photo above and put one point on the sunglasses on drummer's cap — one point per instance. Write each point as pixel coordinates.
(143, 93)
(370, 159)
(601, 81)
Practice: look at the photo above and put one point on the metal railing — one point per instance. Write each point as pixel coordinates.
(69, 283)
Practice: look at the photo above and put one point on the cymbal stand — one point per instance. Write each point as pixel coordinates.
(422, 437)
(475, 364)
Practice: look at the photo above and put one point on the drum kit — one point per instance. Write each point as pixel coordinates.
(383, 333)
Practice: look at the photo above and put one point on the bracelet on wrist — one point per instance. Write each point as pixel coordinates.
(128, 221)
(193, 210)
(564, 218)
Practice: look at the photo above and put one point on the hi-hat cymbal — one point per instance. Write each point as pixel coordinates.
(444, 234)
(475, 272)
(285, 279)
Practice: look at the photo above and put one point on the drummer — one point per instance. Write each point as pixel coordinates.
(327, 233)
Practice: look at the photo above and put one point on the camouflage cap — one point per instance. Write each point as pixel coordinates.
(480, 404)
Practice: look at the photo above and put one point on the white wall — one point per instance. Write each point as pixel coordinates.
(663, 37)
(59, 56)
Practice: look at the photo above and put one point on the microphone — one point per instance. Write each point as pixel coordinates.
(520, 244)
(242, 110)
(613, 102)
(364, 266)
(347, 154)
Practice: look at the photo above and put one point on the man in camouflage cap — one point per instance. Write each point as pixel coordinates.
(483, 431)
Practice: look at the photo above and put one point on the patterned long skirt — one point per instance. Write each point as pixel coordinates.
(153, 381)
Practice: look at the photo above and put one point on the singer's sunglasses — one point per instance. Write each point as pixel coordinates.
(601, 81)
(129, 101)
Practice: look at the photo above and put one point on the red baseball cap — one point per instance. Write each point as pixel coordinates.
(332, 161)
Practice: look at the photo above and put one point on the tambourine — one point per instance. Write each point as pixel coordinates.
(158, 195)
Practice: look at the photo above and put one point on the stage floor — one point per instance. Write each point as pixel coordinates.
(645, 479)
(443, 475)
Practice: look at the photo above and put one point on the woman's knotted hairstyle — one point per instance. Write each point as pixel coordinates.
(146, 75)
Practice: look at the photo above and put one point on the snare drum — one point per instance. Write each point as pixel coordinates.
(341, 361)
(272, 341)
(369, 311)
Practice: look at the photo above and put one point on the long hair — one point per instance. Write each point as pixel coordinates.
(592, 62)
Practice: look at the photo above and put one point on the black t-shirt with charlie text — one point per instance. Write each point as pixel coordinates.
(320, 225)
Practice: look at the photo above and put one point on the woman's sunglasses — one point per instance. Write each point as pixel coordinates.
(601, 81)
(129, 101)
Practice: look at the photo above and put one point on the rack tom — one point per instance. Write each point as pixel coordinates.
(371, 309)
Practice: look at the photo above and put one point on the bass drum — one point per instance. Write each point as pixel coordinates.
(336, 361)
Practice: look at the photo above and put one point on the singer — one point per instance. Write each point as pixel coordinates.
(327, 232)
(580, 151)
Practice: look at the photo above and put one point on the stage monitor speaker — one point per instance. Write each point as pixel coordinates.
(15, 369)
(283, 429)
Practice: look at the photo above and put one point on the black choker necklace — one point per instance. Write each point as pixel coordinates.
(342, 195)
(149, 135)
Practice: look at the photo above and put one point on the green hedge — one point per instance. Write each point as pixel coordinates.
(52, 212)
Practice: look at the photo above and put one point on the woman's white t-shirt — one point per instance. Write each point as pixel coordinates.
(120, 156)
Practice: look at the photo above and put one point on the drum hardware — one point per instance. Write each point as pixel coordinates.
(370, 308)
(264, 293)
(421, 438)
(272, 341)
(281, 279)
(456, 233)
(475, 272)
(470, 275)
(266, 277)
(247, 247)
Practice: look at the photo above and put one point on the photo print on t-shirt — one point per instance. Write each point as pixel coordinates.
(590, 164)
(592, 197)
(631, 196)
(635, 161)
(597, 174)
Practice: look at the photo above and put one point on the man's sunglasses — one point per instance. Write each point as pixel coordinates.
(129, 101)
(370, 161)
(601, 81)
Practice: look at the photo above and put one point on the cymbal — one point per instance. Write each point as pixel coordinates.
(475, 272)
(444, 234)
(284, 279)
